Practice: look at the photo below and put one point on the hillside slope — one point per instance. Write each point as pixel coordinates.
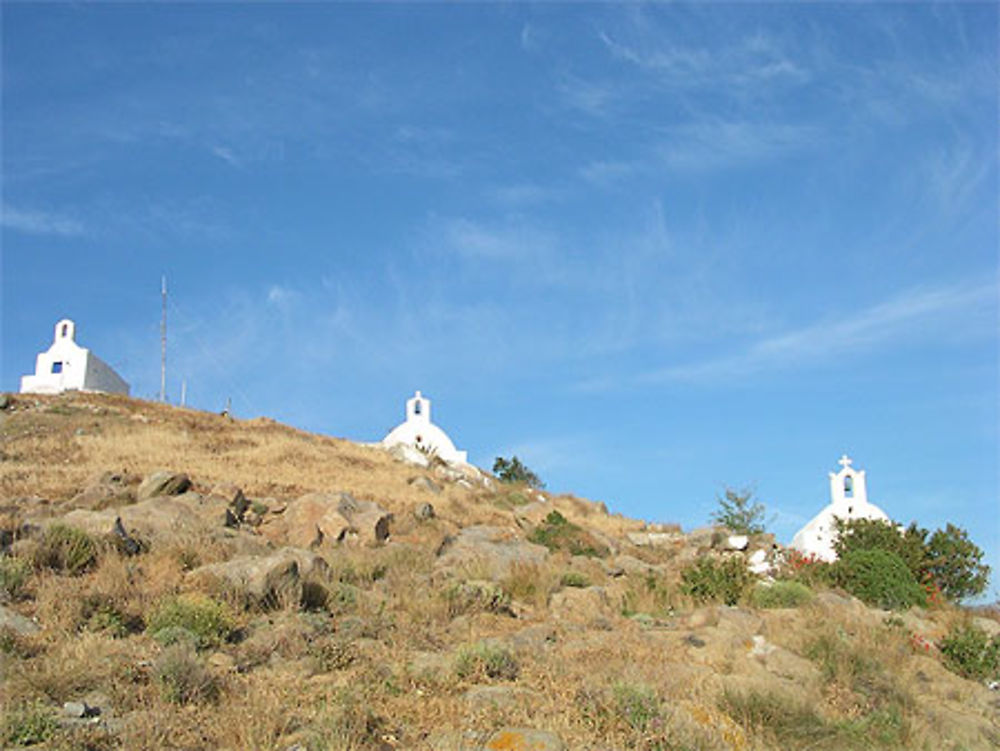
(186, 580)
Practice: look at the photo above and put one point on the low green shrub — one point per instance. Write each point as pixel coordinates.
(557, 532)
(486, 660)
(880, 578)
(777, 717)
(101, 613)
(780, 594)
(27, 725)
(574, 579)
(65, 549)
(333, 653)
(636, 704)
(347, 722)
(970, 652)
(476, 596)
(209, 621)
(711, 580)
(14, 574)
(182, 678)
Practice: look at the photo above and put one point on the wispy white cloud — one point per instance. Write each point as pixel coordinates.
(40, 222)
(226, 154)
(911, 313)
(501, 241)
(711, 144)
(715, 143)
(526, 194)
(754, 60)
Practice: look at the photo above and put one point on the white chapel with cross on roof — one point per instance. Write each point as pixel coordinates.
(848, 500)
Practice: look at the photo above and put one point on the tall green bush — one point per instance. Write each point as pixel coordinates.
(739, 512)
(513, 470)
(948, 562)
(709, 580)
(880, 578)
(970, 652)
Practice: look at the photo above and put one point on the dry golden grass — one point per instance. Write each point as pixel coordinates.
(342, 674)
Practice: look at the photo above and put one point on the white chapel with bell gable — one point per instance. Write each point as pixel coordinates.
(67, 366)
(848, 500)
(419, 432)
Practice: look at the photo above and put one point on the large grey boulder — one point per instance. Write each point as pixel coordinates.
(264, 579)
(316, 518)
(496, 549)
(163, 483)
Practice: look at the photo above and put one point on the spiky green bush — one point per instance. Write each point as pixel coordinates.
(209, 621)
(486, 660)
(14, 574)
(65, 549)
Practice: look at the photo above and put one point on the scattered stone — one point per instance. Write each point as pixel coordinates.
(79, 709)
(702, 617)
(739, 621)
(498, 549)
(654, 539)
(737, 542)
(694, 641)
(760, 647)
(785, 664)
(316, 518)
(423, 512)
(628, 564)
(502, 697)
(410, 455)
(422, 482)
(758, 564)
(109, 490)
(17, 622)
(990, 626)
(580, 605)
(524, 739)
(163, 483)
(532, 639)
(222, 662)
(233, 496)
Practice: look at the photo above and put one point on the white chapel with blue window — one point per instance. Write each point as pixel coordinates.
(66, 366)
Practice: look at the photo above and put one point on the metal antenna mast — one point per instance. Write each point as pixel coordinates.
(163, 343)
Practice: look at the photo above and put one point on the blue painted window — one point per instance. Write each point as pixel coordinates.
(57, 367)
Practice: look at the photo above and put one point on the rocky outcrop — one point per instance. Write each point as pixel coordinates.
(496, 549)
(268, 580)
(163, 483)
(318, 518)
(108, 490)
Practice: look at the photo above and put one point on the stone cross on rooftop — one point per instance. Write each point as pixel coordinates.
(845, 461)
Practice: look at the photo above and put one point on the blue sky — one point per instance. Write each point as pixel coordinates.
(651, 249)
